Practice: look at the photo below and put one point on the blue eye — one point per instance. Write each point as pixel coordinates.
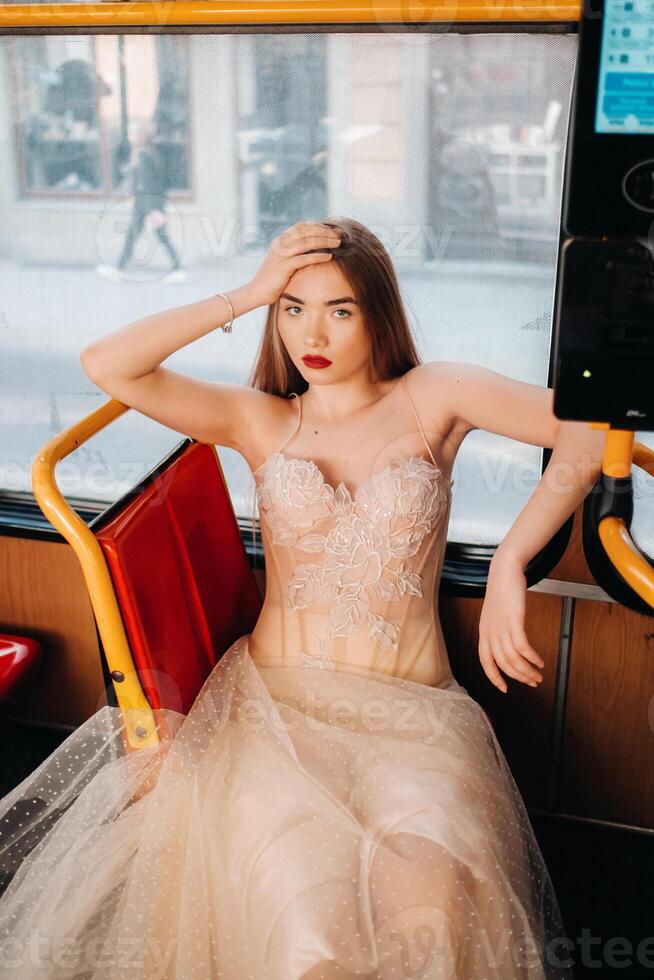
(287, 309)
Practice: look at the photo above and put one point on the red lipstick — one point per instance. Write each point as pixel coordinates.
(314, 361)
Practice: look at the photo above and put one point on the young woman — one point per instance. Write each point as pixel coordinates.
(335, 804)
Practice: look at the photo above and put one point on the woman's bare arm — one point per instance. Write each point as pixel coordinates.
(126, 364)
(139, 347)
(477, 398)
(483, 399)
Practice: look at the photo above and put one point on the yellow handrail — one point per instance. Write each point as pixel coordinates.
(643, 457)
(620, 452)
(403, 13)
(137, 713)
(625, 556)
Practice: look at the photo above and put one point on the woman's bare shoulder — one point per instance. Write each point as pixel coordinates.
(267, 421)
(476, 397)
(219, 413)
(432, 387)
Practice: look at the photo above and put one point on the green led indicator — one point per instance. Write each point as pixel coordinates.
(586, 373)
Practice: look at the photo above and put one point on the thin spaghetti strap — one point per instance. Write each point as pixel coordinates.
(294, 394)
(422, 431)
(299, 419)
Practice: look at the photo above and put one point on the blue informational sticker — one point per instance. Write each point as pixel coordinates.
(625, 93)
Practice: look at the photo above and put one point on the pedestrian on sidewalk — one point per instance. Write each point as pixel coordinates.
(150, 185)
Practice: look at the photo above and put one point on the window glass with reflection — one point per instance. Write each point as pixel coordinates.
(450, 147)
(73, 99)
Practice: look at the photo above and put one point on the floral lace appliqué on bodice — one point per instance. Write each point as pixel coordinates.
(366, 541)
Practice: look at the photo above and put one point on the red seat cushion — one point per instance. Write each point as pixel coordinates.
(181, 574)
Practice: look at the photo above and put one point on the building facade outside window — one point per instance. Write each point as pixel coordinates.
(76, 98)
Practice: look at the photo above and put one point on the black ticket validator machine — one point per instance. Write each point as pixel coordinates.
(604, 306)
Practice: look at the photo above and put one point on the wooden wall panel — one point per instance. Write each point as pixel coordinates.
(42, 592)
(607, 767)
(521, 718)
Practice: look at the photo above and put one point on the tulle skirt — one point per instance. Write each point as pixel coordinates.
(299, 822)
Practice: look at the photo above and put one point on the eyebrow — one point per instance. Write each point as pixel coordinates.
(328, 302)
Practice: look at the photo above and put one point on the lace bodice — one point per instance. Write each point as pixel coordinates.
(352, 576)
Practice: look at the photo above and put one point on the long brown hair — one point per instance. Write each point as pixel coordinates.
(368, 267)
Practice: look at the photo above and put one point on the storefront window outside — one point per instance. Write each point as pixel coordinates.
(78, 98)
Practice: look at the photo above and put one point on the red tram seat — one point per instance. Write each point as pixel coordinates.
(180, 572)
(19, 659)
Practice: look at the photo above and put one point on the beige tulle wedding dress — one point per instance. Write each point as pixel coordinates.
(334, 805)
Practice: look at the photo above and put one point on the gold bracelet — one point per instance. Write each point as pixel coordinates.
(227, 327)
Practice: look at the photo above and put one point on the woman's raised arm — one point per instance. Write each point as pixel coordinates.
(139, 347)
(127, 362)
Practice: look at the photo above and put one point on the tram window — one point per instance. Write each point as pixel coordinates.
(449, 146)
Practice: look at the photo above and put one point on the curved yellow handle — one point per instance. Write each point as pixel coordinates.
(624, 554)
(137, 712)
(619, 454)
